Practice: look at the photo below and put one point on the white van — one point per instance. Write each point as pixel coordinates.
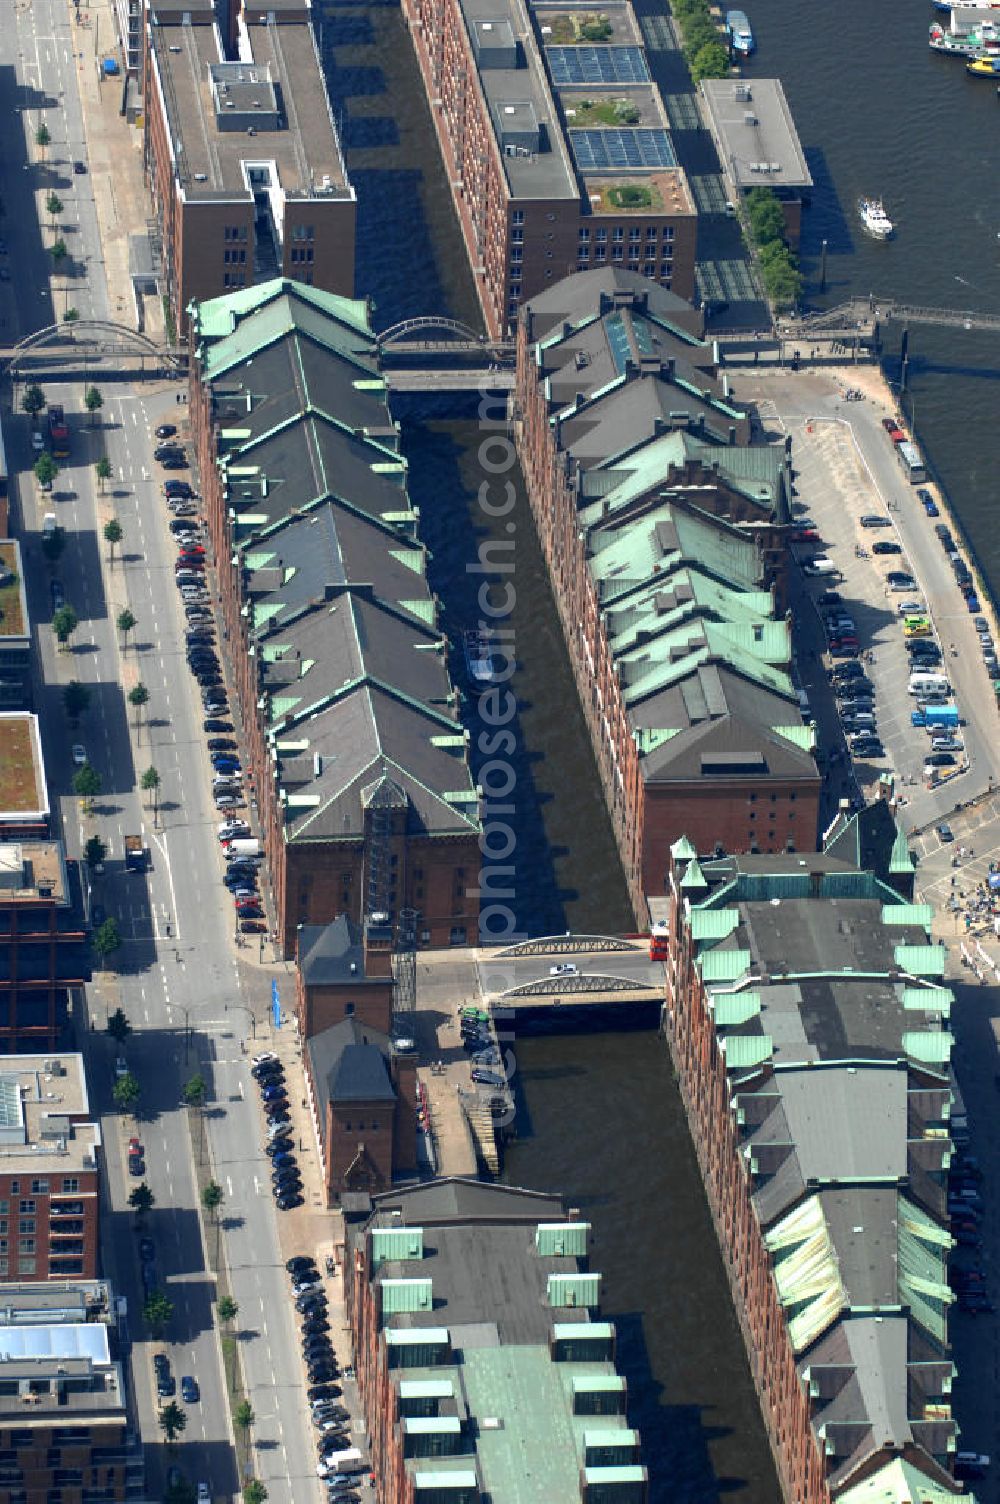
(340, 1464)
(928, 684)
(242, 847)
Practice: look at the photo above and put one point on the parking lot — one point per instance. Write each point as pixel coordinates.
(846, 470)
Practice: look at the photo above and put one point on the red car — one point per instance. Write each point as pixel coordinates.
(135, 1147)
(193, 548)
(893, 429)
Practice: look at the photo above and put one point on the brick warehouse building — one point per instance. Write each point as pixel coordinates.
(664, 536)
(360, 1082)
(485, 1369)
(354, 747)
(242, 158)
(49, 1170)
(558, 152)
(807, 1022)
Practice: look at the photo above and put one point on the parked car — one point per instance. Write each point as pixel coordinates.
(285, 1203)
(190, 1393)
(876, 519)
(165, 430)
(887, 546)
(211, 724)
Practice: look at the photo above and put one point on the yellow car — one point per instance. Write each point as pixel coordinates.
(916, 626)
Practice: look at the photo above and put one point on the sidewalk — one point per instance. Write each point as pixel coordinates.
(114, 150)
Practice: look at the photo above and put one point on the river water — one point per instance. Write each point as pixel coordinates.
(599, 1116)
(879, 114)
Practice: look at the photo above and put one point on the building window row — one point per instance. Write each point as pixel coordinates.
(305, 253)
(234, 279)
(236, 257)
(303, 232)
(235, 232)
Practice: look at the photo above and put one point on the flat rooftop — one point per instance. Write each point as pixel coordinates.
(23, 792)
(30, 870)
(44, 1111)
(13, 601)
(523, 112)
(269, 108)
(754, 133)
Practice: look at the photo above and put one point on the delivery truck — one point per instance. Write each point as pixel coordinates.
(136, 854)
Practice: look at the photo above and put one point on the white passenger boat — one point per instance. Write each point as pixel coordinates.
(874, 218)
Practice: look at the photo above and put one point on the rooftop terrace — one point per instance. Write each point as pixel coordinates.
(228, 120)
(44, 1111)
(13, 600)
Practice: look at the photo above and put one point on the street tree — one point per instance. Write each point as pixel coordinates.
(42, 138)
(138, 696)
(93, 854)
(45, 469)
(254, 1492)
(243, 1419)
(229, 1309)
(113, 533)
(107, 937)
(150, 782)
(180, 1491)
(54, 207)
(157, 1312)
(125, 623)
(33, 400)
(103, 468)
(118, 1026)
(93, 401)
(87, 785)
(76, 699)
(172, 1421)
(64, 624)
(141, 1200)
(193, 1092)
(126, 1094)
(211, 1200)
(60, 252)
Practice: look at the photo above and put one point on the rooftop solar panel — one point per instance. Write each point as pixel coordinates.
(597, 65)
(622, 148)
(614, 327)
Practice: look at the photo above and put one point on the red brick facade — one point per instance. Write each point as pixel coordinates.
(701, 1072)
(310, 882)
(646, 818)
(492, 218)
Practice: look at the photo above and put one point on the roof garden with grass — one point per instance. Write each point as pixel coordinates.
(663, 192)
(22, 791)
(12, 607)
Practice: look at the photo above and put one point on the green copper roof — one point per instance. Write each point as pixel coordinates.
(929, 999)
(731, 1009)
(921, 960)
(694, 877)
(804, 1263)
(920, 914)
(682, 850)
(932, 1046)
(744, 1051)
(713, 924)
(216, 317)
(720, 965)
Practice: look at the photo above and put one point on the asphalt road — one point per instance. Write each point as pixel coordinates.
(178, 968)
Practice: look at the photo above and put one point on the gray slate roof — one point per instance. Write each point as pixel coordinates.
(349, 1064)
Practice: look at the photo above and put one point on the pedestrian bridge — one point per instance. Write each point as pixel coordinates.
(87, 347)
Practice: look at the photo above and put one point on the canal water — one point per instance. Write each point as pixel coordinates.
(599, 1116)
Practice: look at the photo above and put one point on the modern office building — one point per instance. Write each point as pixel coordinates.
(49, 1170)
(357, 757)
(556, 145)
(664, 534)
(486, 1370)
(67, 1431)
(807, 1018)
(757, 143)
(242, 157)
(44, 953)
(15, 630)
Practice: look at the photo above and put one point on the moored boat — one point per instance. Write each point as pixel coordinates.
(875, 219)
(478, 658)
(738, 31)
(984, 67)
(981, 41)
